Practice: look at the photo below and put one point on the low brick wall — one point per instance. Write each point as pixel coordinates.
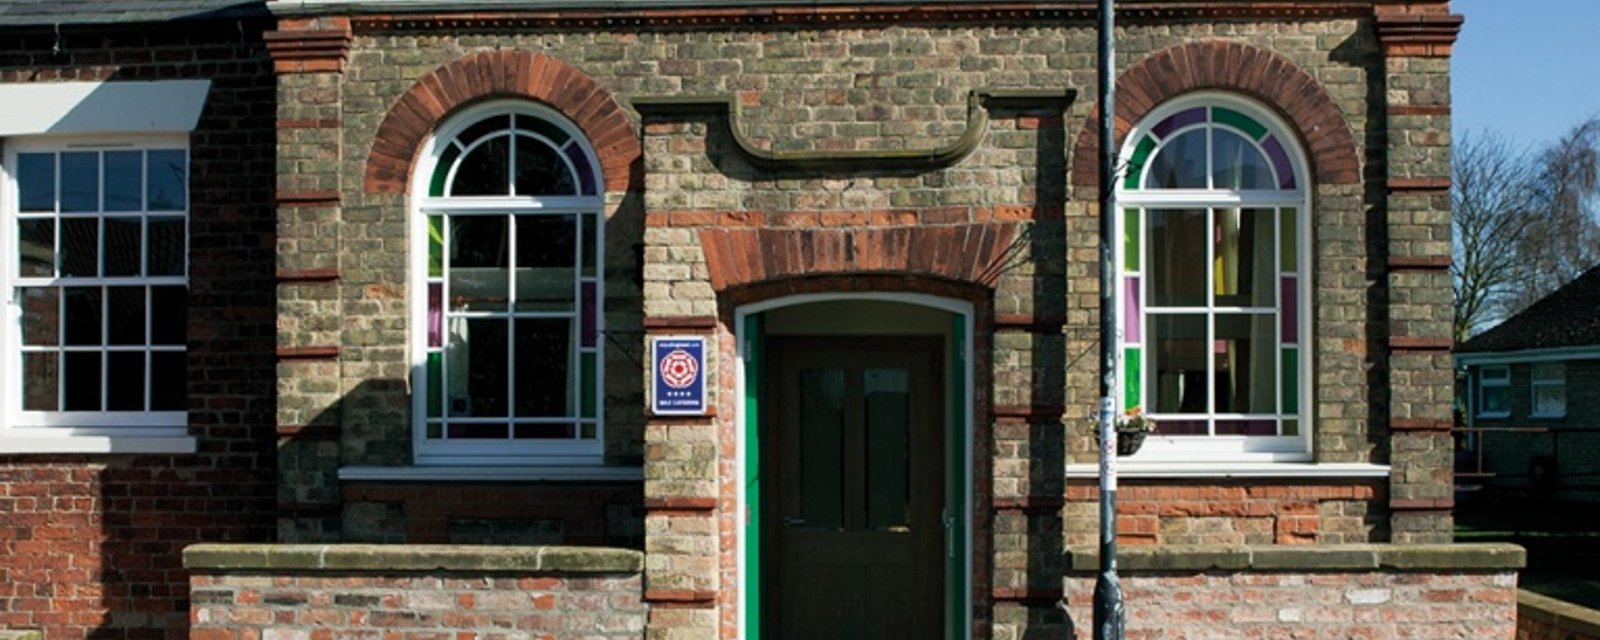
(1545, 618)
(443, 592)
(1370, 592)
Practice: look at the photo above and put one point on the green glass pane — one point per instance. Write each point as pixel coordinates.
(1141, 154)
(591, 244)
(1132, 360)
(1130, 240)
(435, 246)
(587, 402)
(435, 431)
(1291, 381)
(1238, 121)
(435, 384)
(1288, 233)
(588, 432)
(447, 159)
(1291, 427)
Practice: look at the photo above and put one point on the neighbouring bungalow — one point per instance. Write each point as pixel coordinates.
(768, 318)
(1532, 412)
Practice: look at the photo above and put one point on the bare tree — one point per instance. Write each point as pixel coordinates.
(1565, 241)
(1524, 222)
(1493, 199)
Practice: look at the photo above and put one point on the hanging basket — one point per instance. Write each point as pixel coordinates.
(1128, 441)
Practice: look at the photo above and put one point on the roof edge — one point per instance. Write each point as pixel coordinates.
(1591, 352)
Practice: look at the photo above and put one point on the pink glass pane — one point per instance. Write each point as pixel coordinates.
(435, 315)
(588, 314)
(477, 431)
(1290, 313)
(1131, 311)
(1179, 120)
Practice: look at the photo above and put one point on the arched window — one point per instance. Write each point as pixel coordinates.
(507, 239)
(1214, 291)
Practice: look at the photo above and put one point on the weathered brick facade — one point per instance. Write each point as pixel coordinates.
(754, 155)
(90, 544)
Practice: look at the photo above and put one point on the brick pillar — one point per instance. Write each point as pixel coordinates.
(1416, 40)
(308, 57)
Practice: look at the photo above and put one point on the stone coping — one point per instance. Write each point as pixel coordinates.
(1564, 616)
(1310, 558)
(21, 634)
(400, 558)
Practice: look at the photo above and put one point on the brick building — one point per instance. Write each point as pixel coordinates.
(870, 227)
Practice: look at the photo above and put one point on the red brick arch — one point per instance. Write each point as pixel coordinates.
(1239, 68)
(503, 74)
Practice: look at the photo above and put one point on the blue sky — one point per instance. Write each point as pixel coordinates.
(1527, 69)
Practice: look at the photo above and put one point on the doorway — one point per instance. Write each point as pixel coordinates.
(854, 465)
(855, 527)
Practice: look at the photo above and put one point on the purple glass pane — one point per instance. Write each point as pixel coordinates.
(1290, 315)
(1280, 162)
(587, 313)
(1179, 120)
(435, 315)
(1247, 427)
(1132, 313)
(477, 431)
(585, 172)
(1180, 427)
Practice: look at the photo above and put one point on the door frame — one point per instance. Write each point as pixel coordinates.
(748, 389)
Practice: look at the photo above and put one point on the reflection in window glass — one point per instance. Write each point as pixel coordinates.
(1177, 254)
(1237, 165)
(36, 182)
(1242, 257)
(1177, 375)
(887, 402)
(1245, 354)
(124, 180)
(1181, 164)
(822, 419)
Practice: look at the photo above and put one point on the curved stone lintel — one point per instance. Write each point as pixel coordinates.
(979, 103)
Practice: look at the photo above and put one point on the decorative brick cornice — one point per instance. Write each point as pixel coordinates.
(308, 51)
(1417, 35)
(1419, 110)
(1416, 425)
(976, 253)
(666, 16)
(308, 431)
(1419, 263)
(1419, 185)
(303, 276)
(1217, 64)
(1030, 504)
(1420, 343)
(680, 504)
(308, 353)
(659, 324)
(1029, 322)
(704, 597)
(504, 73)
(686, 421)
(296, 199)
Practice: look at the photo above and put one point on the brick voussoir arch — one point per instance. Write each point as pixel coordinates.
(503, 74)
(1228, 66)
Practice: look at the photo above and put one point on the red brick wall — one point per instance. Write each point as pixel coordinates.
(1365, 605)
(90, 545)
(1544, 618)
(1215, 511)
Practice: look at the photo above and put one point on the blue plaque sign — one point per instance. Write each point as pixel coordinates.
(680, 376)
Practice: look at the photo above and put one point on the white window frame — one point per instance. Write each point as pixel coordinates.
(1502, 382)
(1536, 383)
(491, 453)
(80, 431)
(1221, 448)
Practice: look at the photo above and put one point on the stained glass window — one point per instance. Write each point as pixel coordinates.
(1212, 275)
(511, 358)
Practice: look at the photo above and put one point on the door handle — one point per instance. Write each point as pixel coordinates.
(794, 521)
